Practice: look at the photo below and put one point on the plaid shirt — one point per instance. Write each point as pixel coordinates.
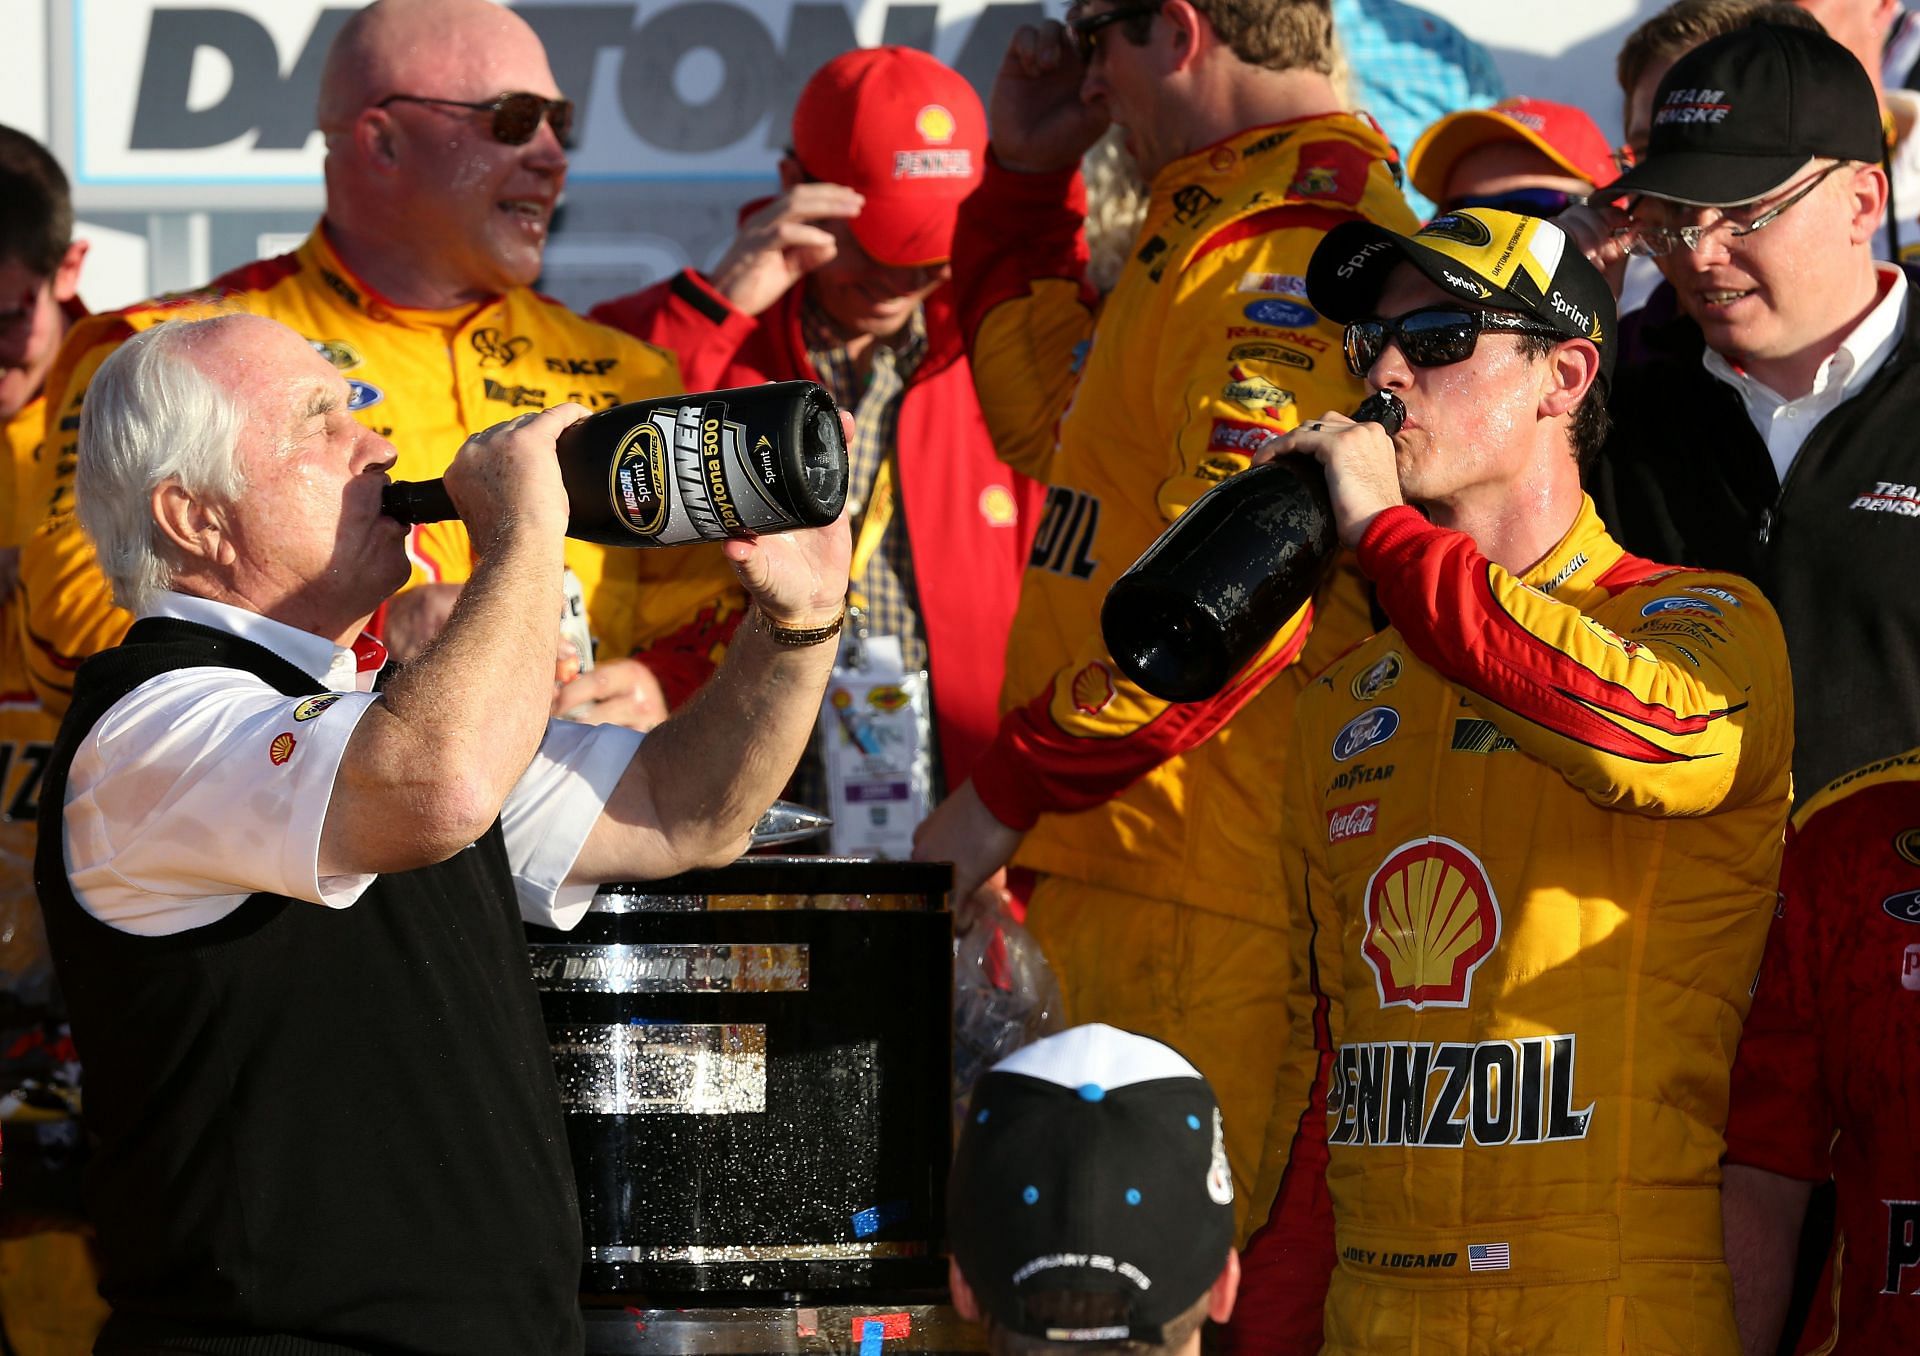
(891, 598)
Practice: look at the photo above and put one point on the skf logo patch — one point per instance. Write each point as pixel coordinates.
(1375, 725)
(1431, 919)
(1378, 676)
(1352, 821)
(998, 507)
(313, 706)
(1907, 844)
(282, 747)
(1092, 689)
(1904, 906)
(934, 124)
(495, 349)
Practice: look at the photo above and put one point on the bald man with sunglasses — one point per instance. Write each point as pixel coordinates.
(446, 155)
(1530, 839)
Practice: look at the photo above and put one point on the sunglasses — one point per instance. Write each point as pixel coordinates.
(1432, 336)
(1086, 30)
(516, 117)
(1528, 202)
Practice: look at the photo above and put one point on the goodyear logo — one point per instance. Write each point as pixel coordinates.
(1448, 1094)
(1431, 920)
(637, 481)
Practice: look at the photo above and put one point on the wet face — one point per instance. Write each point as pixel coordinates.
(487, 205)
(863, 296)
(310, 545)
(1465, 421)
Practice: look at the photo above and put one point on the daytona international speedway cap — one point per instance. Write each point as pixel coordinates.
(1564, 134)
(1092, 1161)
(905, 131)
(1739, 116)
(1498, 261)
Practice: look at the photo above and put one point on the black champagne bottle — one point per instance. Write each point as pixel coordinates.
(1217, 584)
(687, 468)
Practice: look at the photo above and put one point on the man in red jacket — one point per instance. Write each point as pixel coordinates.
(843, 279)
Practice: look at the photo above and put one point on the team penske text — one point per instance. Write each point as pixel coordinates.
(1445, 1095)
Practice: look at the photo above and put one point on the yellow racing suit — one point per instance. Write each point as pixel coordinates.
(1154, 824)
(1532, 837)
(423, 379)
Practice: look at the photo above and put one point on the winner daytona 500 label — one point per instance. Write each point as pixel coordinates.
(689, 474)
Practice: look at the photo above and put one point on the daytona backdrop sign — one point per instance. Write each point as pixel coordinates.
(221, 93)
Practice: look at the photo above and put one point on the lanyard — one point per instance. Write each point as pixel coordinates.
(873, 527)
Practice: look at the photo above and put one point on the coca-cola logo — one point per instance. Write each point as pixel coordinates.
(1352, 821)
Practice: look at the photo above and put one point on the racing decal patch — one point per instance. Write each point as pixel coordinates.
(1888, 496)
(1251, 391)
(1352, 821)
(282, 747)
(1231, 435)
(1660, 607)
(1375, 725)
(1904, 907)
(1286, 284)
(1092, 689)
(313, 706)
(1276, 311)
(1449, 1094)
(1378, 676)
(1431, 920)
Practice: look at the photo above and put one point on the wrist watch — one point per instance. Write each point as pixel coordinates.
(801, 636)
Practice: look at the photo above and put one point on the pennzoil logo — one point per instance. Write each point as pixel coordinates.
(637, 483)
(313, 706)
(1431, 919)
(1382, 674)
(1449, 1094)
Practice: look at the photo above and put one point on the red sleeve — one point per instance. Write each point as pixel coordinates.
(683, 660)
(684, 315)
(1779, 1118)
(1013, 229)
(1035, 767)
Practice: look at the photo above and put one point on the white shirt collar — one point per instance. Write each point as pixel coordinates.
(340, 668)
(1861, 354)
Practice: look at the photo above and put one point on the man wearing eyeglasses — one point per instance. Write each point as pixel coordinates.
(446, 155)
(1152, 825)
(1530, 840)
(1769, 431)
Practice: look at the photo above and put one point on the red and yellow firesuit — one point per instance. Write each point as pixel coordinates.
(1531, 839)
(1154, 824)
(425, 380)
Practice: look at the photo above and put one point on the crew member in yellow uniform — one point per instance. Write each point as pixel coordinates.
(1531, 841)
(1153, 825)
(445, 157)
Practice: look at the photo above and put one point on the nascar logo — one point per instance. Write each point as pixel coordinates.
(1448, 1094)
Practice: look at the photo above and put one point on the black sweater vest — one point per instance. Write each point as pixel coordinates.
(1686, 480)
(316, 1129)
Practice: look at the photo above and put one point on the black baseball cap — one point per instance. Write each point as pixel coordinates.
(1739, 116)
(1500, 261)
(1092, 1161)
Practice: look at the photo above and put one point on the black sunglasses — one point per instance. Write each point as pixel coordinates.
(1528, 202)
(1085, 30)
(1432, 336)
(516, 117)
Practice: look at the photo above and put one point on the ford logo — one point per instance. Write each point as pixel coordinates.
(1274, 312)
(1375, 725)
(360, 394)
(1905, 906)
(1659, 605)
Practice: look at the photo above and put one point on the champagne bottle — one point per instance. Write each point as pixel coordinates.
(1217, 584)
(687, 468)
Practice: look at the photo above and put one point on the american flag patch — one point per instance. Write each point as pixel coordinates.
(1487, 1257)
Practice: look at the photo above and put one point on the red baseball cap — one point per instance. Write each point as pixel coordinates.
(905, 131)
(1563, 134)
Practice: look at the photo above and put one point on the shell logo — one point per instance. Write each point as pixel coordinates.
(282, 748)
(1431, 919)
(997, 506)
(1092, 689)
(934, 124)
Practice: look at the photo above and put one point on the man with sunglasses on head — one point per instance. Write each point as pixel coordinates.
(1523, 155)
(1152, 825)
(446, 156)
(1530, 840)
(1769, 428)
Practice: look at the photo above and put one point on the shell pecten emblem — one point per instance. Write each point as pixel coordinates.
(1431, 919)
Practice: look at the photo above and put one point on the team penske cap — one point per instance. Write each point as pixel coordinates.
(1498, 261)
(908, 133)
(1565, 135)
(1739, 116)
(1092, 1161)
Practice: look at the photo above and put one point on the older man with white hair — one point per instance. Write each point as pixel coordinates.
(286, 909)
